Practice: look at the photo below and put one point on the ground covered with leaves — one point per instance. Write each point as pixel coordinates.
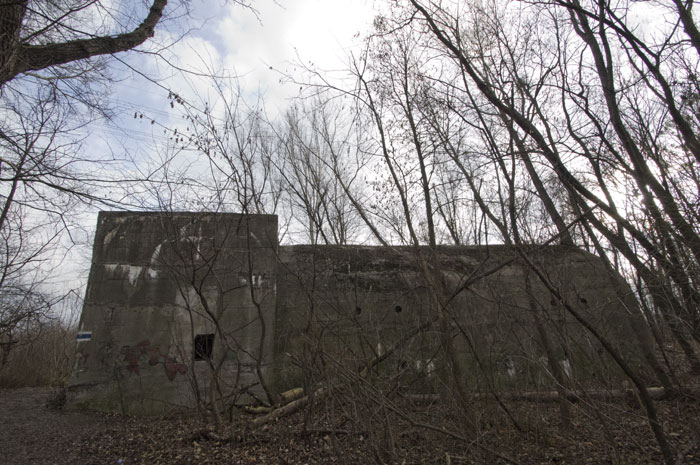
(614, 432)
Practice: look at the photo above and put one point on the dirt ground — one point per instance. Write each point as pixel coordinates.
(32, 433)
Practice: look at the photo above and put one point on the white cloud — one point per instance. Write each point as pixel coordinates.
(319, 32)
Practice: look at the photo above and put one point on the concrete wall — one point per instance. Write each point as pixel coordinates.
(361, 301)
(156, 282)
(159, 280)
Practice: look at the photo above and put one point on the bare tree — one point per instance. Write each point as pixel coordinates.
(40, 35)
(318, 171)
(557, 89)
(49, 89)
(537, 124)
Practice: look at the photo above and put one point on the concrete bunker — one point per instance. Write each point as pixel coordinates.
(178, 301)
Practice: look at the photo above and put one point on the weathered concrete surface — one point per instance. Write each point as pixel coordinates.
(159, 280)
(360, 301)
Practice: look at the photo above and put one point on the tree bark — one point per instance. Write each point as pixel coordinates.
(18, 58)
(11, 16)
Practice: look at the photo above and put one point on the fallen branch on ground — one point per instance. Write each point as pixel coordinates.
(656, 393)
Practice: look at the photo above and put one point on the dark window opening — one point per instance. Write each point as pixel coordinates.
(203, 345)
(398, 309)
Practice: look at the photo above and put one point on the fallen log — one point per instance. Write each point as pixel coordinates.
(287, 409)
(284, 398)
(656, 393)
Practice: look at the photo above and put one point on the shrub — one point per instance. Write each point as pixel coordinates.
(42, 356)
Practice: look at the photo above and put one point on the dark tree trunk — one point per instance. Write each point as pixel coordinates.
(17, 58)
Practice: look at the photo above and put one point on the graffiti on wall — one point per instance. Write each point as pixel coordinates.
(144, 352)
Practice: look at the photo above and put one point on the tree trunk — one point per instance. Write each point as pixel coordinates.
(17, 58)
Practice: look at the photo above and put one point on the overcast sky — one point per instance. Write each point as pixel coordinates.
(224, 38)
(257, 49)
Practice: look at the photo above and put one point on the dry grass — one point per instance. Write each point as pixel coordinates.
(42, 358)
